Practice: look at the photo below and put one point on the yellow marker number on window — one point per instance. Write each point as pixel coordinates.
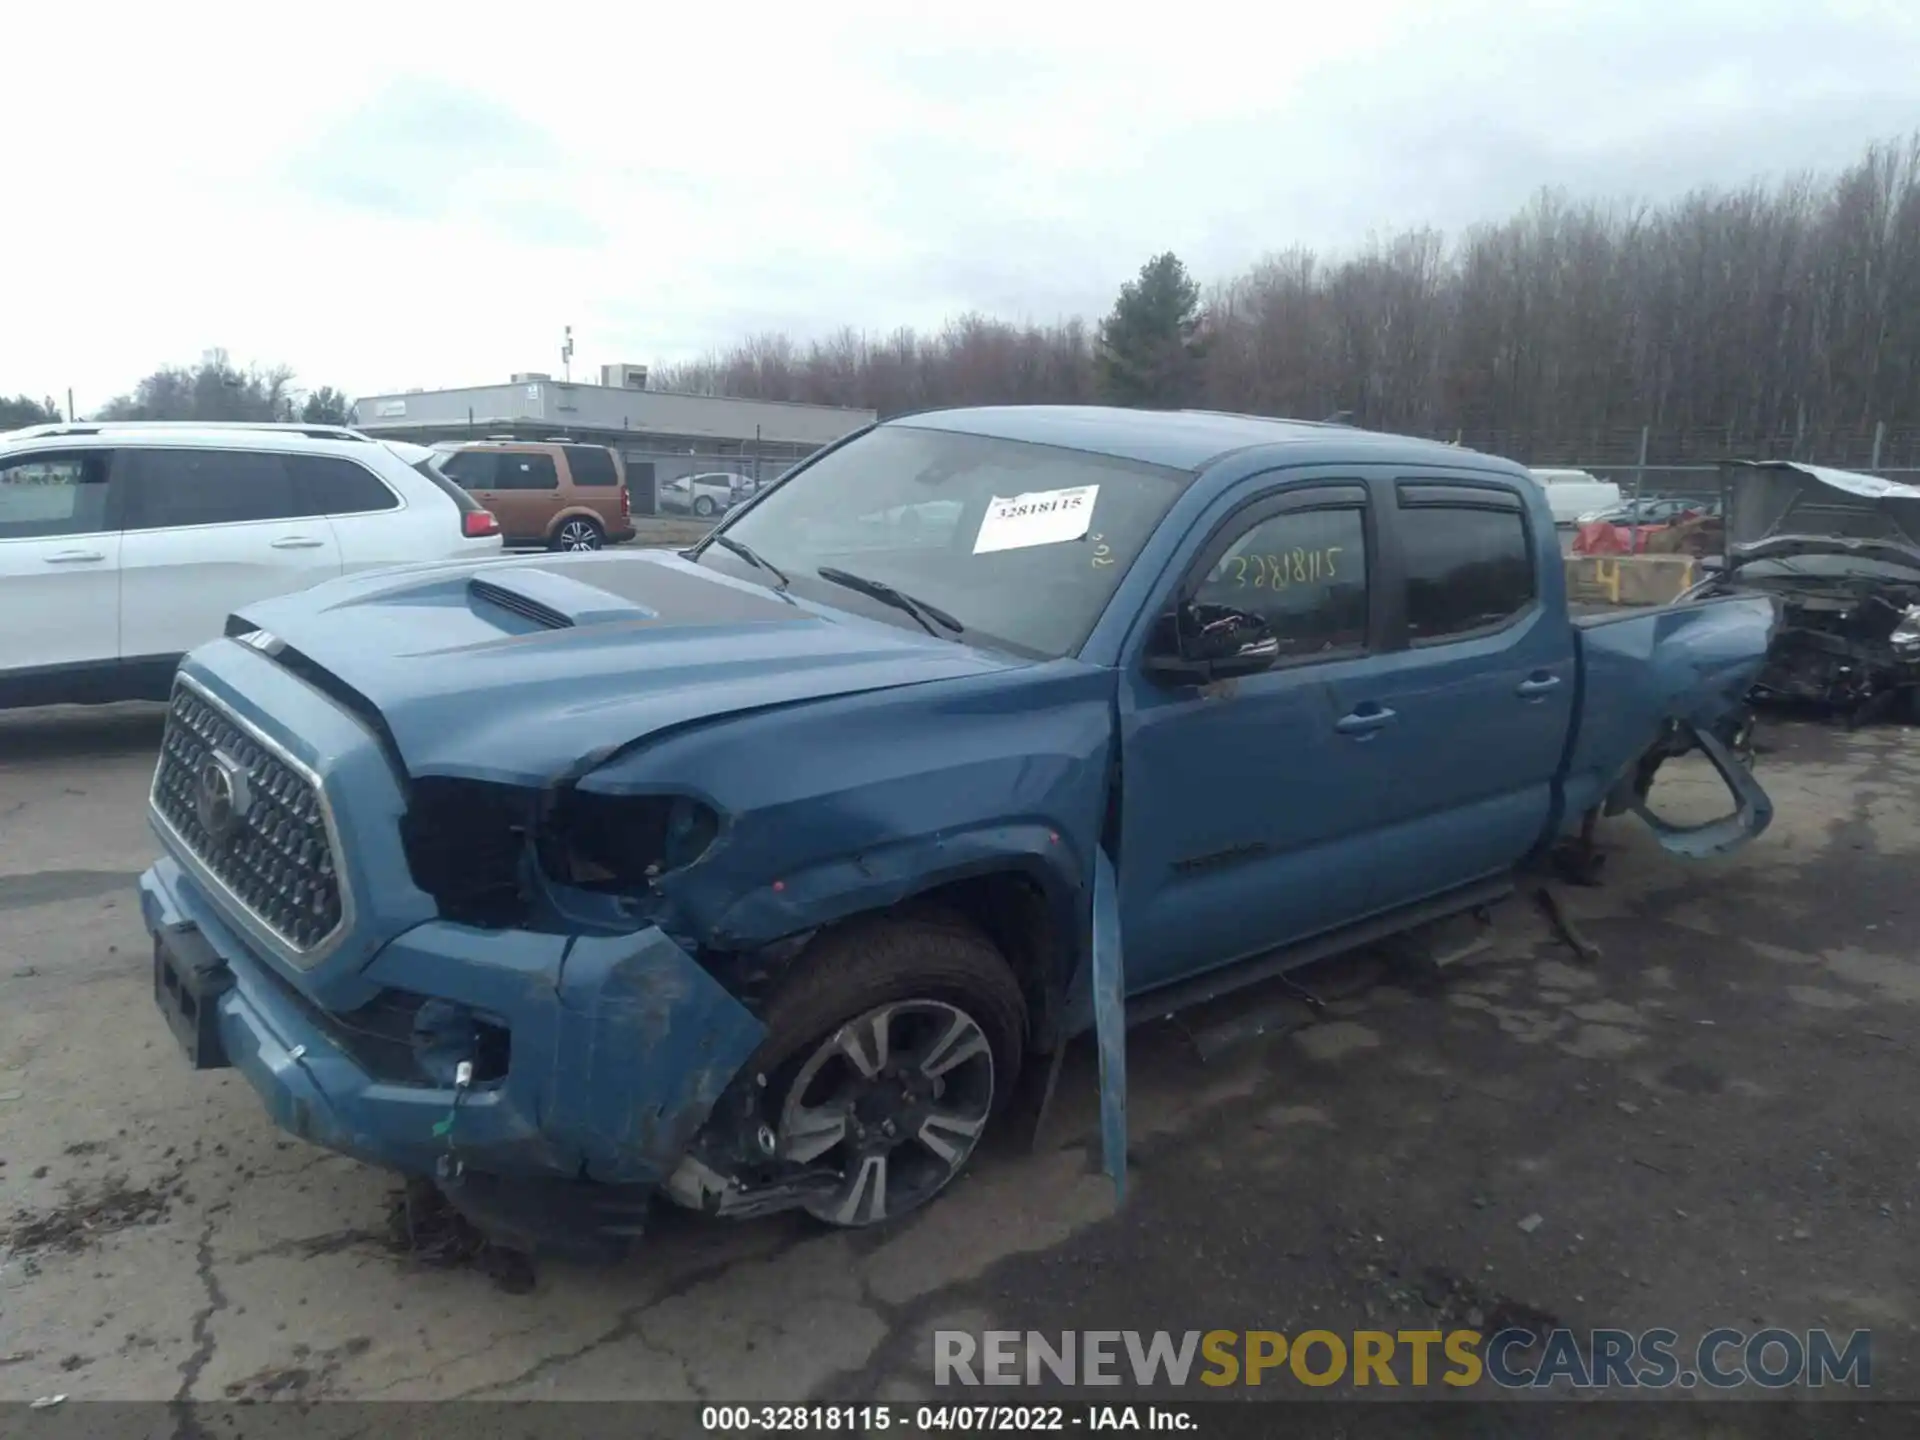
(1283, 569)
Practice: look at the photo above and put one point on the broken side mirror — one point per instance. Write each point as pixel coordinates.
(1199, 643)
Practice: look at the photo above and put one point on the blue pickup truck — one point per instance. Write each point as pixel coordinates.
(753, 875)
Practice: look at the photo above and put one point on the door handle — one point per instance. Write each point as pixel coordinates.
(1365, 720)
(73, 557)
(297, 542)
(1534, 686)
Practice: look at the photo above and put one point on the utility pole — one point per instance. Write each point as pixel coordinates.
(70, 414)
(1639, 488)
(566, 356)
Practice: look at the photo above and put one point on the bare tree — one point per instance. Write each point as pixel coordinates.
(214, 389)
(1779, 318)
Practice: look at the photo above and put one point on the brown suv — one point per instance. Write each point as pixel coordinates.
(552, 493)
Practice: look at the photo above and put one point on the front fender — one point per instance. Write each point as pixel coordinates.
(884, 875)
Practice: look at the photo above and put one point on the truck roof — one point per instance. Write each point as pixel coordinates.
(1183, 439)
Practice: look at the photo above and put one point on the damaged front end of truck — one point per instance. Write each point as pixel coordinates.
(1840, 551)
(512, 925)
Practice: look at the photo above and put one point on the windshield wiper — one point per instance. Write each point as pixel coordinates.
(753, 558)
(887, 595)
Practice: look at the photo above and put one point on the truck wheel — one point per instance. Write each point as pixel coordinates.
(889, 1047)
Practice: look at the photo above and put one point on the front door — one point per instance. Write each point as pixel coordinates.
(1248, 803)
(59, 562)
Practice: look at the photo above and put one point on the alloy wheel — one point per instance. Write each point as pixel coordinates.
(894, 1101)
(579, 535)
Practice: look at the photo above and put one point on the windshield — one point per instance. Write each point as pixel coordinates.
(1021, 544)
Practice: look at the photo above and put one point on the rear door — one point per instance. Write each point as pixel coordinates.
(364, 513)
(207, 531)
(59, 561)
(1481, 694)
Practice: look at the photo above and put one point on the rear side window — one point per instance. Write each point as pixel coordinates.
(470, 469)
(435, 471)
(45, 495)
(1469, 568)
(175, 487)
(591, 465)
(525, 472)
(324, 485)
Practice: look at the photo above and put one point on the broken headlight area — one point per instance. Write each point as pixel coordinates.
(466, 846)
(621, 844)
(495, 856)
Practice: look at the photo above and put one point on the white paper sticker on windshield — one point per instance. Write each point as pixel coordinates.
(1040, 517)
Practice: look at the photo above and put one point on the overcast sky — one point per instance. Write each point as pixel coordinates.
(412, 201)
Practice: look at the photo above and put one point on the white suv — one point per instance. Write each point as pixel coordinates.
(122, 546)
(704, 495)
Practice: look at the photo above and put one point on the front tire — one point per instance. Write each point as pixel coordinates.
(703, 506)
(578, 533)
(889, 1047)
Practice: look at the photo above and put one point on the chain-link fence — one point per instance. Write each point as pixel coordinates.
(1699, 482)
(1642, 460)
(1684, 463)
(1868, 445)
(677, 482)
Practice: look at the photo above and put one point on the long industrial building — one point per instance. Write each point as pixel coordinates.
(662, 435)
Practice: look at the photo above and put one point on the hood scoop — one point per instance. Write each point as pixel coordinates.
(553, 601)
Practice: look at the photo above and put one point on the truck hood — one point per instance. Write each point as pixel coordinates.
(525, 669)
(1778, 508)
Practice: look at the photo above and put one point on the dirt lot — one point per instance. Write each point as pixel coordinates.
(1714, 1126)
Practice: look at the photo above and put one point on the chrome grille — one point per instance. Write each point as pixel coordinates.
(255, 821)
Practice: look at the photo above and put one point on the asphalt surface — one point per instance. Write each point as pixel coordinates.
(1712, 1125)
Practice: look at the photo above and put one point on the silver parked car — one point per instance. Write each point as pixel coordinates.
(706, 494)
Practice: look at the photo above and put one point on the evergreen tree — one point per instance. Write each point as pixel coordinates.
(1150, 346)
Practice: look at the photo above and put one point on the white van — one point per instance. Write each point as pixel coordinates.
(1573, 493)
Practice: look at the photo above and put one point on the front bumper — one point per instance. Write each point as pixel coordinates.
(619, 1045)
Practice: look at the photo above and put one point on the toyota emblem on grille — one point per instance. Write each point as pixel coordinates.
(221, 795)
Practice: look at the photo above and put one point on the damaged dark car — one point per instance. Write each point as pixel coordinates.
(1840, 552)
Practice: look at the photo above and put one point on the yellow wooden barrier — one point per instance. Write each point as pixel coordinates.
(1629, 579)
